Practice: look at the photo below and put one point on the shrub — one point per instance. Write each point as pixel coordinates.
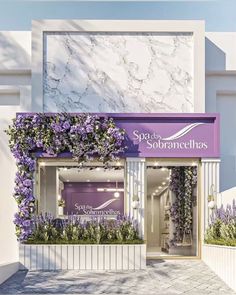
(74, 230)
(222, 229)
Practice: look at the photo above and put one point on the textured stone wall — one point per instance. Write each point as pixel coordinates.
(118, 72)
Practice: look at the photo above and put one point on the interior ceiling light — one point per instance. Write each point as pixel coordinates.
(42, 164)
(116, 193)
(104, 189)
(156, 164)
(115, 189)
(100, 189)
(160, 187)
(163, 183)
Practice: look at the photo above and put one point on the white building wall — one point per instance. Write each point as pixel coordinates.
(209, 184)
(136, 191)
(15, 96)
(15, 50)
(220, 51)
(221, 97)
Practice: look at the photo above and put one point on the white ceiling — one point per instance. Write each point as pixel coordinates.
(96, 175)
(157, 179)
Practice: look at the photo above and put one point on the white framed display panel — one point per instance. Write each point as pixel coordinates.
(196, 28)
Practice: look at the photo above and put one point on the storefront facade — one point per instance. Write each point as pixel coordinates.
(155, 144)
(166, 75)
(156, 93)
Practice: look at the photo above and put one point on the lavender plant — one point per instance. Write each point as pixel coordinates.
(85, 136)
(45, 229)
(222, 227)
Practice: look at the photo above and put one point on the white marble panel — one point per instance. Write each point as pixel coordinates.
(118, 72)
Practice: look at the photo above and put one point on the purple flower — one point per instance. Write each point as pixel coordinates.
(56, 127)
(57, 142)
(39, 143)
(89, 128)
(26, 223)
(17, 219)
(66, 125)
(27, 182)
(73, 129)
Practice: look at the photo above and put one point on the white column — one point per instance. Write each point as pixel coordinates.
(210, 169)
(136, 186)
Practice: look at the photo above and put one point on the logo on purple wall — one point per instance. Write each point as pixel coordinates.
(90, 210)
(83, 198)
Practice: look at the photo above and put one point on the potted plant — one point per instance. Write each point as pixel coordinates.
(61, 205)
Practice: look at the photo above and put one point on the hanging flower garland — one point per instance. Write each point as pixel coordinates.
(85, 136)
(183, 180)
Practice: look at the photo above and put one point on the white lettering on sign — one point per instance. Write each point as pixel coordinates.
(155, 141)
(89, 210)
(145, 136)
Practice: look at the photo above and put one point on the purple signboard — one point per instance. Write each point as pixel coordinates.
(158, 135)
(167, 135)
(84, 199)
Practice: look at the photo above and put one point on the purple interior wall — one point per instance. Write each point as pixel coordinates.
(77, 194)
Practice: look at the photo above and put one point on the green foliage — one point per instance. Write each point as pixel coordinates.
(221, 233)
(182, 183)
(228, 231)
(221, 242)
(74, 231)
(222, 230)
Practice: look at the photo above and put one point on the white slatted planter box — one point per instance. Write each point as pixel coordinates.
(222, 260)
(83, 257)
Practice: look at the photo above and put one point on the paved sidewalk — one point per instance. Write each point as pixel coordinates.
(169, 277)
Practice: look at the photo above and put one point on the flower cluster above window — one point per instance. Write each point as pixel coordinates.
(85, 136)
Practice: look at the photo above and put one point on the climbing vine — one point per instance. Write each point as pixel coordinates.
(182, 182)
(85, 136)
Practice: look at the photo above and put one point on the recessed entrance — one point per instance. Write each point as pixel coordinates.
(172, 209)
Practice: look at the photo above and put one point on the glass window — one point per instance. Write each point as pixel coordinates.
(64, 188)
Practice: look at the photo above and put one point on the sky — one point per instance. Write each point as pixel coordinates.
(219, 15)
